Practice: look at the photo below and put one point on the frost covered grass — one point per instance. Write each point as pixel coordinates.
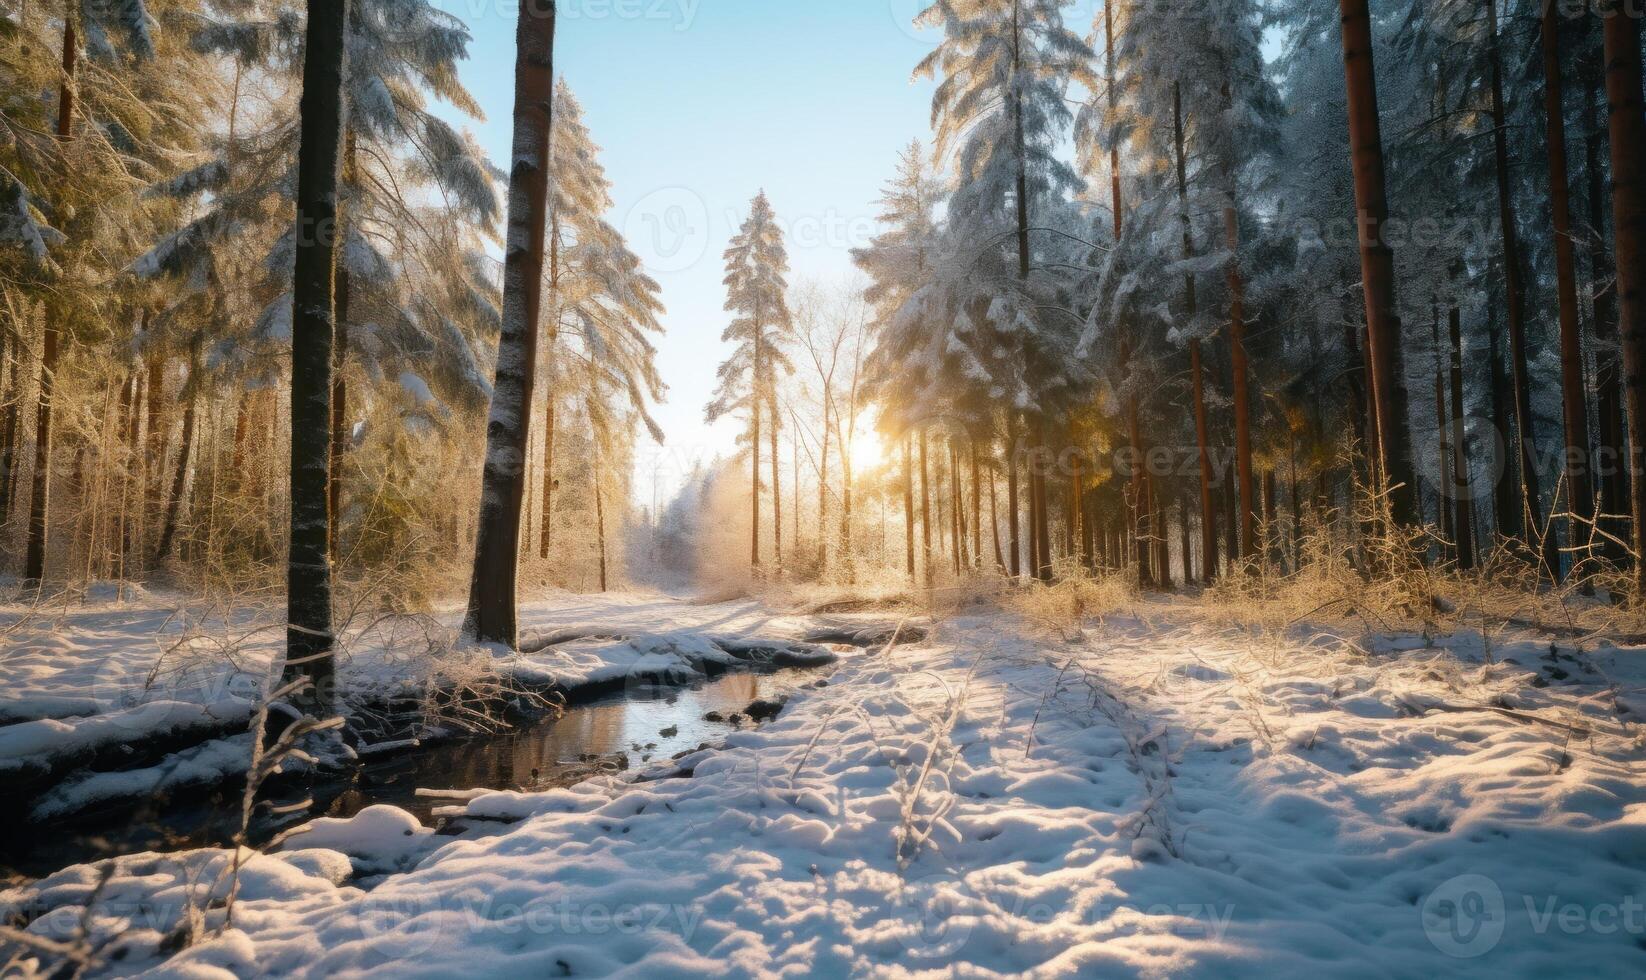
(1159, 792)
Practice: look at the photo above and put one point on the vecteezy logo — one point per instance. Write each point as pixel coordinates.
(1488, 457)
(404, 920)
(668, 229)
(904, 12)
(935, 924)
(1464, 917)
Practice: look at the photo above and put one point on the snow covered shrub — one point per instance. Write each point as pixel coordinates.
(1074, 599)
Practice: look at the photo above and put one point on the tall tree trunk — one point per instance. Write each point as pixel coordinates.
(1071, 502)
(1033, 470)
(9, 419)
(1463, 490)
(545, 536)
(1231, 519)
(1525, 444)
(1183, 511)
(1161, 537)
(1575, 400)
(154, 462)
(908, 506)
(822, 494)
(1377, 262)
(976, 508)
(1443, 500)
(1011, 495)
(1044, 519)
(1142, 520)
(121, 542)
(309, 637)
(994, 526)
(794, 482)
(1612, 465)
(846, 505)
(1628, 139)
(754, 483)
(599, 517)
(947, 528)
(959, 501)
(1271, 517)
(242, 432)
(66, 89)
(492, 614)
(340, 356)
(180, 474)
(1208, 510)
(1508, 515)
(132, 491)
(777, 491)
(925, 514)
(1242, 397)
(1021, 200)
(34, 561)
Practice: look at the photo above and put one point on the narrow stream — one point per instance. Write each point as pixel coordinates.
(622, 731)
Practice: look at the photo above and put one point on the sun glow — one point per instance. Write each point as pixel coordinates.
(868, 452)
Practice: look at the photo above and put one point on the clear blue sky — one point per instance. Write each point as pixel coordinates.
(697, 105)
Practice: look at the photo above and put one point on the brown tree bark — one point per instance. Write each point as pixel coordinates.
(1575, 399)
(976, 508)
(1183, 510)
(754, 481)
(1012, 452)
(309, 638)
(1071, 511)
(66, 89)
(1242, 396)
(1506, 511)
(1628, 139)
(1208, 510)
(1463, 490)
(994, 526)
(925, 514)
(1377, 261)
(9, 418)
(908, 506)
(492, 612)
(1612, 466)
(180, 473)
(957, 482)
(777, 490)
(1525, 442)
(1443, 428)
(822, 495)
(340, 356)
(1142, 518)
(545, 534)
(34, 560)
(1271, 517)
(599, 517)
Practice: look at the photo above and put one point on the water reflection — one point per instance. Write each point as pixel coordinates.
(630, 730)
(627, 729)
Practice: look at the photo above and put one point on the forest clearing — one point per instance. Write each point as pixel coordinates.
(1075, 488)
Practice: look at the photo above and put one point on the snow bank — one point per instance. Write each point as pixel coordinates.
(124, 682)
(1152, 799)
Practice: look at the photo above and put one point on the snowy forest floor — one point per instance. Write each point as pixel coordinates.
(1157, 791)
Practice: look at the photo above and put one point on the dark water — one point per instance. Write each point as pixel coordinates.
(621, 731)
